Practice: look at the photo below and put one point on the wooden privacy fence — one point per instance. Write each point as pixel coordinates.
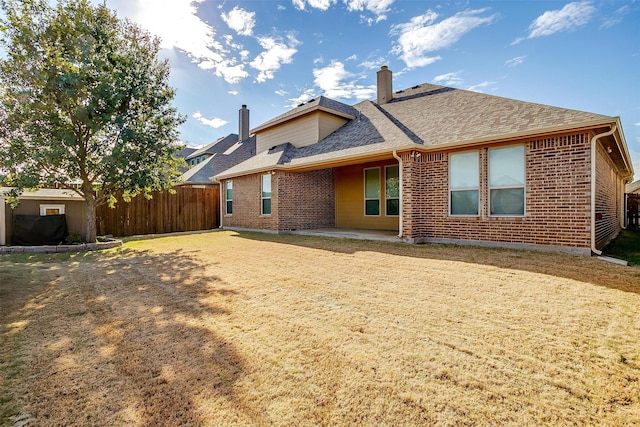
(633, 210)
(189, 209)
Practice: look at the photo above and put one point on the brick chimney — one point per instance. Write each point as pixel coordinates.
(385, 87)
(243, 124)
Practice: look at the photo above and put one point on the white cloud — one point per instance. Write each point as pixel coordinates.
(233, 92)
(316, 4)
(318, 60)
(304, 97)
(449, 79)
(479, 86)
(336, 82)
(373, 63)
(275, 54)
(514, 62)
(352, 57)
(281, 92)
(240, 20)
(177, 24)
(213, 122)
(568, 18)
(637, 124)
(616, 18)
(378, 7)
(422, 35)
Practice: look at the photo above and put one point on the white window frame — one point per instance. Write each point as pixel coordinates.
(228, 185)
(507, 187)
(43, 209)
(477, 152)
(386, 193)
(262, 197)
(364, 176)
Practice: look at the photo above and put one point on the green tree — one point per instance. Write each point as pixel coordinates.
(85, 104)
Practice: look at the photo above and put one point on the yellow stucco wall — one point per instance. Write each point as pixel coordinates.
(350, 209)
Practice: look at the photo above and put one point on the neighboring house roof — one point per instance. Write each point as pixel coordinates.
(633, 187)
(424, 117)
(45, 193)
(223, 154)
(186, 152)
(218, 146)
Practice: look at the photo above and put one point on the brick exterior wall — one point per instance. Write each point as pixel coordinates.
(307, 200)
(557, 197)
(299, 200)
(609, 198)
(247, 204)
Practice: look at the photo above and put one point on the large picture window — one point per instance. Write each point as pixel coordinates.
(266, 194)
(506, 181)
(372, 191)
(229, 197)
(392, 190)
(464, 183)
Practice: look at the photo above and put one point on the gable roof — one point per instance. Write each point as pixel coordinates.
(320, 103)
(223, 153)
(423, 117)
(218, 146)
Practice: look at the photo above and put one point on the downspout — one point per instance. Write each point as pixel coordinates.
(594, 140)
(399, 159)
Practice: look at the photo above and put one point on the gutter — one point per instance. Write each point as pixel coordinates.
(594, 141)
(399, 159)
(423, 148)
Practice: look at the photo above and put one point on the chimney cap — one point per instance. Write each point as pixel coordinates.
(244, 105)
(384, 67)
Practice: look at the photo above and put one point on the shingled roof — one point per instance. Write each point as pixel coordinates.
(445, 115)
(320, 103)
(224, 153)
(423, 117)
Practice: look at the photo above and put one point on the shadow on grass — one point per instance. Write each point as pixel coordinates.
(124, 337)
(626, 246)
(580, 268)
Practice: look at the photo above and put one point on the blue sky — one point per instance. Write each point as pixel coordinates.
(275, 54)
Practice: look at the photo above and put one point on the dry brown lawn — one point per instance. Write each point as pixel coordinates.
(226, 329)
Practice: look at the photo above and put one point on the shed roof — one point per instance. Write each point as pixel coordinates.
(45, 194)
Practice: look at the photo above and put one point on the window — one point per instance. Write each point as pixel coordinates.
(229, 196)
(506, 181)
(372, 191)
(392, 190)
(464, 183)
(51, 210)
(266, 194)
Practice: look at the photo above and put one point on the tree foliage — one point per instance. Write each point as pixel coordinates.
(85, 103)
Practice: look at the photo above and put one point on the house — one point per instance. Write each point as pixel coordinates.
(219, 155)
(633, 204)
(436, 164)
(43, 203)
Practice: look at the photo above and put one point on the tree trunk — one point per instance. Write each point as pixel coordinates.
(91, 217)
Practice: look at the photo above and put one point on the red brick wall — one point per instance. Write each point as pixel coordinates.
(299, 200)
(609, 197)
(307, 200)
(557, 196)
(247, 204)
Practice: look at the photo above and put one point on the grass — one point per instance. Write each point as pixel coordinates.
(224, 328)
(626, 246)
